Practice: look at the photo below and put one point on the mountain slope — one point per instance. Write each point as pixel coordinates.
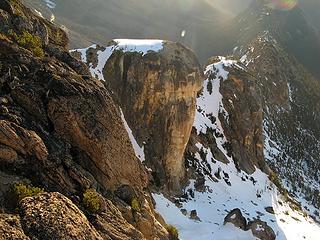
(290, 28)
(228, 149)
(291, 123)
(215, 187)
(283, 53)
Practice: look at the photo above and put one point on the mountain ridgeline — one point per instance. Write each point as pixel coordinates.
(133, 139)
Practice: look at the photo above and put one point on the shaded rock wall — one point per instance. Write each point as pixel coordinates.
(244, 128)
(239, 110)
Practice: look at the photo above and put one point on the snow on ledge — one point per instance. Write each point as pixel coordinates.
(127, 45)
(139, 45)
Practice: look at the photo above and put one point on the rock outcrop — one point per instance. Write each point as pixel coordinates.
(53, 216)
(157, 93)
(111, 224)
(229, 121)
(259, 229)
(54, 112)
(244, 127)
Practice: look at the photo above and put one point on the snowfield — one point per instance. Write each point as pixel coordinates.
(250, 193)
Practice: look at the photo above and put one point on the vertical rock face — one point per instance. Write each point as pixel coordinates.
(244, 126)
(157, 93)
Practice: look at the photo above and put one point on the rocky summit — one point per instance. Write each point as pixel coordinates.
(132, 139)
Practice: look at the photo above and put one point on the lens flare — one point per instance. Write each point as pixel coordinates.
(284, 4)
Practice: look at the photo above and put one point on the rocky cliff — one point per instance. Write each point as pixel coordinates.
(61, 130)
(238, 116)
(155, 83)
(92, 149)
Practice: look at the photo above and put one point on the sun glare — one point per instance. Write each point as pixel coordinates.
(284, 4)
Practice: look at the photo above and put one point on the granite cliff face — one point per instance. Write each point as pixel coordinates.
(157, 93)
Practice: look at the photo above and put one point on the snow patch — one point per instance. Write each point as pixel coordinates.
(50, 4)
(139, 151)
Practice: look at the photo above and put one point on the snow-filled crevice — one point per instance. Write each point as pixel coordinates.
(139, 151)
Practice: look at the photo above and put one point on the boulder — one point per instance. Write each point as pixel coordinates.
(53, 216)
(261, 230)
(194, 215)
(235, 217)
(125, 193)
(270, 210)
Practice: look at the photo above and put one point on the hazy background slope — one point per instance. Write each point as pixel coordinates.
(204, 21)
(209, 27)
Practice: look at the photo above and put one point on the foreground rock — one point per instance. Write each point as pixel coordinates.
(53, 216)
(61, 130)
(259, 229)
(56, 114)
(157, 93)
(11, 228)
